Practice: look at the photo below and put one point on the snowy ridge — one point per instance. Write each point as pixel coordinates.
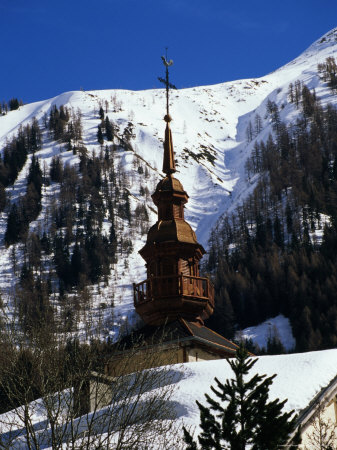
(209, 135)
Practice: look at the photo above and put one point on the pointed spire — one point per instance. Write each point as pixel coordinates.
(168, 163)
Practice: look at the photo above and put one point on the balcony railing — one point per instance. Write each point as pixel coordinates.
(173, 285)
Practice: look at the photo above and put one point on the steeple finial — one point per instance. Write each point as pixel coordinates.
(166, 81)
(168, 163)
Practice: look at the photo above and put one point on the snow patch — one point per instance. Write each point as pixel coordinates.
(278, 326)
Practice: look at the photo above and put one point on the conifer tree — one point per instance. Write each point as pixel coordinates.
(3, 197)
(100, 135)
(14, 104)
(109, 131)
(14, 225)
(56, 169)
(35, 174)
(244, 418)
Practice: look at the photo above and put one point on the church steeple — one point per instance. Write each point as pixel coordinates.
(173, 288)
(168, 162)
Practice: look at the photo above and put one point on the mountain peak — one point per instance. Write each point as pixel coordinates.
(329, 39)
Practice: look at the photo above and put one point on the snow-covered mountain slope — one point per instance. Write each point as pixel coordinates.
(209, 134)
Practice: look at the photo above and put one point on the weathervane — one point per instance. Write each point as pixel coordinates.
(166, 81)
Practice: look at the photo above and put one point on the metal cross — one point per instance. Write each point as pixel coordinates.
(166, 81)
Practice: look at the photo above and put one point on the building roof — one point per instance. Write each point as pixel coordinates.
(181, 332)
(174, 230)
(210, 336)
(169, 184)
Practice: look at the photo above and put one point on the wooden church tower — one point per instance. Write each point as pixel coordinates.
(173, 288)
(174, 295)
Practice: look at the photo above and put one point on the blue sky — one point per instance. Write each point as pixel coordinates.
(51, 47)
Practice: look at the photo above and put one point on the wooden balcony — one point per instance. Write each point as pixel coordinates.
(165, 287)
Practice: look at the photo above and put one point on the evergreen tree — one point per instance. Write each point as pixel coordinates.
(257, 124)
(112, 242)
(249, 132)
(248, 419)
(14, 225)
(56, 169)
(100, 135)
(35, 175)
(34, 136)
(14, 104)
(109, 131)
(76, 264)
(3, 197)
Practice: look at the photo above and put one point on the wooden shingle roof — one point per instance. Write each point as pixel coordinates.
(181, 332)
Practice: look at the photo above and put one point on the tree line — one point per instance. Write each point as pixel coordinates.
(11, 105)
(277, 252)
